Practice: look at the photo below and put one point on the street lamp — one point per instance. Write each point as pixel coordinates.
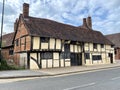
(1, 31)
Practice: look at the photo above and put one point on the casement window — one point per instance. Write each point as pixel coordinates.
(11, 52)
(67, 47)
(46, 55)
(94, 45)
(64, 55)
(87, 55)
(17, 42)
(96, 57)
(66, 51)
(44, 39)
(112, 46)
(102, 45)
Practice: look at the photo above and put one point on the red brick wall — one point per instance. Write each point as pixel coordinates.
(5, 54)
(117, 55)
(24, 39)
(15, 57)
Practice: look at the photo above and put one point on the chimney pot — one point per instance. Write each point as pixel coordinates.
(25, 10)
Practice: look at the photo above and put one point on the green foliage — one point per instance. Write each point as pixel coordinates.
(5, 66)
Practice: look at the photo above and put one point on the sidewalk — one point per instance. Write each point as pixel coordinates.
(53, 71)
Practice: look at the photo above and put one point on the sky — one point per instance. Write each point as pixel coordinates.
(105, 13)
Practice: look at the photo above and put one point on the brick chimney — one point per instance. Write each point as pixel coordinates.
(15, 24)
(84, 23)
(89, 22)
(25, 10)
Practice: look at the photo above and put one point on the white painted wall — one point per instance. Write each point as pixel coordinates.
(44, 45)
(36, 42)
(23, 60)
(33, 64)
(52, 43)
(58, 44)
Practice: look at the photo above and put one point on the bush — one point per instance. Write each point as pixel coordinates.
(5, 66)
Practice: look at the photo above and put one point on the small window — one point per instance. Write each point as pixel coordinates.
(17, 42)
(94, 45)
(67, 55)
(11, 52)
(62, 55)
(102, 45)
(112, 46)
(96, 57)
(87, 55)
(67, 47)
(44, 39)
(46, 55)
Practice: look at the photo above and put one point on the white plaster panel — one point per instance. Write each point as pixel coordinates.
(44, 45)
(44, 63)
(71, 48)
(33, 64)
(91, 46)
(52, 43)
(58, 44)
(55, 55)
(62, 62)
(50, 63)
(56, 63)
(75, 46)
(36, 42)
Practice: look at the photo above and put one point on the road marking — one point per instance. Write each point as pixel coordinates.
(115, 78)
(84, 85)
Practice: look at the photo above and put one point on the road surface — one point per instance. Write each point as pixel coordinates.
(99, 80)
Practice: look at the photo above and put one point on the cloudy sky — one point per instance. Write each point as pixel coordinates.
(105, 13)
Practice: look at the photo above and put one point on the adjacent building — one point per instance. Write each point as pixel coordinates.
(43, 43)
(115, 38)
(8, 49)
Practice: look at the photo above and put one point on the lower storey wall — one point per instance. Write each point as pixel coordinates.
(35, 61)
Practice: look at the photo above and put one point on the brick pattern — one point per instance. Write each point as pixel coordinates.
(24, 40)
(117, 55)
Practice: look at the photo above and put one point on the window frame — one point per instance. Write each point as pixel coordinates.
(95, 45)
(96, 57)
(11, 51)
(44, 55)
(87, 55)
(17, 42)
(44, 39)
(102, 45)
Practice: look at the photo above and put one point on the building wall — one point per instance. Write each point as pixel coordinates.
(6, 55)
(11, 58)
(102, 52)
(22, 39)
(117, 53)
(56, 47)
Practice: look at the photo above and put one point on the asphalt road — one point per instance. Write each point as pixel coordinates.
(98, 80)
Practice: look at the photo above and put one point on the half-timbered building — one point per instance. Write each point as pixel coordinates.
(115, 39)
(43, 43)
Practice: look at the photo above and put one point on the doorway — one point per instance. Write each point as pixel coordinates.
(76, 59)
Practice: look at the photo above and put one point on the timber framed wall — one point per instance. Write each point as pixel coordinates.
(51, 52)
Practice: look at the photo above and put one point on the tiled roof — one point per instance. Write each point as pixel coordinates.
(7, 39)
(115, 38)
(48, 28)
